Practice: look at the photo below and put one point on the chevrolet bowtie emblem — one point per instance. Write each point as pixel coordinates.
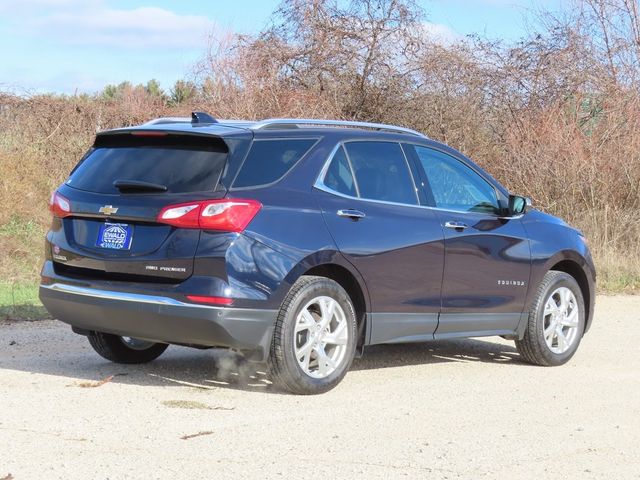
(108, 209)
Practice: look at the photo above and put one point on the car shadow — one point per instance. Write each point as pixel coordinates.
(460, 350)
(215, 368)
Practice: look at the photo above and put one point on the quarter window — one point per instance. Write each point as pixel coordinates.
(339, 177)
(454, 185)
(270, 160)
(381, 172)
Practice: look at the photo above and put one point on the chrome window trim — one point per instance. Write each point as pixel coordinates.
(319, 184)
(324, 188)
(327, 163)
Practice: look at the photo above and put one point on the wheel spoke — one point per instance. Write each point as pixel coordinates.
(305, 322)
(550, 307)
(567, 298)
(325, 363)
(549, 334)
(305, 362)
(327, 308)
(341, 340)
(339, 336)
(562, 340)
(303, 356)
(305, 350)
(570, 320)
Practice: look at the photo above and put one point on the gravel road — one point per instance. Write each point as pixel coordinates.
(453, 409)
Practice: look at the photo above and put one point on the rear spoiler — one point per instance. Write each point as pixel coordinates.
(197, 118)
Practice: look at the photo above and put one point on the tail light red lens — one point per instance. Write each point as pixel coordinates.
(59, 205)
(228, 215)
(210, 300)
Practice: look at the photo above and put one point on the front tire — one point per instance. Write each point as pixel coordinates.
(125, 349)
(314, 339)
(556, 321)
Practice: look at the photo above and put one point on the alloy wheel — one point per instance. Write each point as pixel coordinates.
(561, 320)
(136, 343)
(320, 337)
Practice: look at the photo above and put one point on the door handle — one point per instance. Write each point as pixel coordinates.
(456, 225)
(350, 213)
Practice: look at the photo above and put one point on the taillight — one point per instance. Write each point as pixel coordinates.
(210, 300)
(183, 215)
(228, 215)
(59, 205)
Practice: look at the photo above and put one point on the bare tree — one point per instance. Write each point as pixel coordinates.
(555, 115)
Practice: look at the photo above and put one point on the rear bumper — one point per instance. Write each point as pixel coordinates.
(161, 319)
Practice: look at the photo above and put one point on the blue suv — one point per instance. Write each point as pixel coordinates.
(299, 242)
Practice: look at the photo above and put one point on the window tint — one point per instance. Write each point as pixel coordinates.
(339, 177)
(381, 172)
(454, 185)
(180, 164)
(269, 160)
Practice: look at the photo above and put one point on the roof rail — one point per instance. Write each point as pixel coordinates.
(296, 122)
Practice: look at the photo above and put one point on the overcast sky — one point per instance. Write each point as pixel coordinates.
(65, 46)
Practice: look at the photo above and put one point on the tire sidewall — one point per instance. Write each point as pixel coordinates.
(560, 280)
(113, 348)
(320, 287)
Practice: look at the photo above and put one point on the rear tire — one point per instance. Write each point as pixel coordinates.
(556, 321)
(314, 339)
(124, 350)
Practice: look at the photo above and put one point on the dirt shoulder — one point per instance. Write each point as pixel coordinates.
(457, 409)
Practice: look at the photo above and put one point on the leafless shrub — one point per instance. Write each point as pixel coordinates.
(555, 116)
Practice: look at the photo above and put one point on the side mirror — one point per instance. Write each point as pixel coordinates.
(518, 205)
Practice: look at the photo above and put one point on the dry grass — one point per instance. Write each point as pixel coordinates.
(592, 180)
(41, 139)
(553, 116)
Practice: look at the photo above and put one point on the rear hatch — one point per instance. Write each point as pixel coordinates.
(114, 196)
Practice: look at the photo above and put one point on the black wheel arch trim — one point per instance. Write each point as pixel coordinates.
(330, 259)
(573, 263)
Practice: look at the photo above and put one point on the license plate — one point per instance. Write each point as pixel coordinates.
(116, 236)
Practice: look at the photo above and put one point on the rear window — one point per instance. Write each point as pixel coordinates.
(182, 164)
(270, 160)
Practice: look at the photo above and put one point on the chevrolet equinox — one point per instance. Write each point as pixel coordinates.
(299, 242)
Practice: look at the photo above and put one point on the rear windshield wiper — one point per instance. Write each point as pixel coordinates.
(138, 186)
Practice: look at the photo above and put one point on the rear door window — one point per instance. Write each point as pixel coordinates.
(382, 172)
(269, 160)
(181, 164)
